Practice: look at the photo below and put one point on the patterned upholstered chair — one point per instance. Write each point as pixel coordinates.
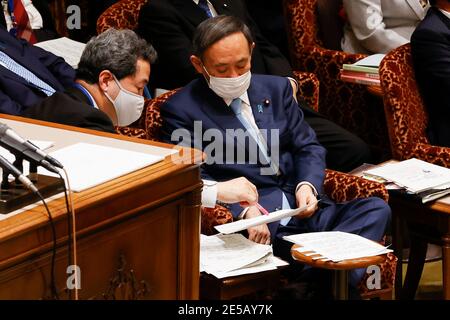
(338, 186)
(406, 116)
(125, 13)
(314, 31)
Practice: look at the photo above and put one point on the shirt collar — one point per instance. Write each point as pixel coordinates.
(446, 13)
(87, 94)
(243, 97)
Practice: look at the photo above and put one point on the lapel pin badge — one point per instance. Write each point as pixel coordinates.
(260, 108)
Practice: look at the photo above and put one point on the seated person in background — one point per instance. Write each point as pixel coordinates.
(260, 152)
(170, 24)
(38, 17)
(378, 26)
(112, 74)
(430, 48)
(29, 74)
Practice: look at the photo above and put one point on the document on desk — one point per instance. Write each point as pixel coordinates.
(244, 224)
(415, 175)
(64, 47)
(230, 255)
(89, 165)
(336, 246)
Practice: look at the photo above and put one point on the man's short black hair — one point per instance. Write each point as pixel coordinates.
(215, 29)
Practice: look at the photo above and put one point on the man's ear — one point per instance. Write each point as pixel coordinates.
(104, 79)
(197, 63)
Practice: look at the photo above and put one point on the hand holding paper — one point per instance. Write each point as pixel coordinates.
(240, 225)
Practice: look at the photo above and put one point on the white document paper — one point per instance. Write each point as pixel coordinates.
(271, 263)
(336, 246)
(244, 224)
(66, 48)
(89, 165)
(373, 61)
(414, 175)
(225, 253)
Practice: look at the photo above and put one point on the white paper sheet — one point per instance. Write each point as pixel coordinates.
(89, 165)
(225, 253)
(336, 246)
(415, 175)
(243, 224)
(373, 61)
(66, 48)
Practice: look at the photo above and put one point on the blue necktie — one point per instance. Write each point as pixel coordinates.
(24, 73)
(236, 106)
(203, 4)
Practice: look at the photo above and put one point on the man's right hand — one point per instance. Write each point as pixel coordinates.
(237, 190)
(260, 233)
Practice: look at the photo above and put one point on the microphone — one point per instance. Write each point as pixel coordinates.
(11, 140)
(6, 165)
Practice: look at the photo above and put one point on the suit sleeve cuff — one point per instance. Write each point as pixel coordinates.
(308, 184)
(209, 193)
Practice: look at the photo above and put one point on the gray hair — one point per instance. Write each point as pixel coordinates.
(115, 50)
(215, 29)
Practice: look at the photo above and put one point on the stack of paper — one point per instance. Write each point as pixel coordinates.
(364, 71)
(231, 255)
(336, 246)
(66, 48)
(424, 180)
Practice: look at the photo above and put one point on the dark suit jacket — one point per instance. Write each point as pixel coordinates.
(70, 108)
(169, 26)
(16, 94)
(48, 30)
(430, 47)
(301, 158)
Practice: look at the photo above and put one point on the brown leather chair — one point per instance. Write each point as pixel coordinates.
(406, 115)
(338, 186)
(314, 30)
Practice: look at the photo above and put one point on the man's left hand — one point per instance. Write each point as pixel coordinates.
(305, 197)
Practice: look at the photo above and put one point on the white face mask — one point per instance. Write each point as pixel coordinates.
(128, 105)
(230, 88)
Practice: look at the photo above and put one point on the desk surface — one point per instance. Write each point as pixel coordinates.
(161, 246)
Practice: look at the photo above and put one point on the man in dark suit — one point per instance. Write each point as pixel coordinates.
(430, 48)
(17, 91)
(258, 146)
(170, 24)
(112, 74)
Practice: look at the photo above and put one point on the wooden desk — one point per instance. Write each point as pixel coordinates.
(425, 223)
(137, 235)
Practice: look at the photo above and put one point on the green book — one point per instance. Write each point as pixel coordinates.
(363, 69)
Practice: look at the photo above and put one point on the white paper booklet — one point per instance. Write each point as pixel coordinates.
(89, 165)
(373, 61)
(414, 175)
(230, 255)
(336, 246)
(66, 48)
(243, 224)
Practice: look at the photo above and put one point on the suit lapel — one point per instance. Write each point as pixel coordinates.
(190, 11)
(417, 8)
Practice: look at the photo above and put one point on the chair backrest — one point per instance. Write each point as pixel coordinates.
(404, 108)
(152, 118)
(121, 15)
(314, 22)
